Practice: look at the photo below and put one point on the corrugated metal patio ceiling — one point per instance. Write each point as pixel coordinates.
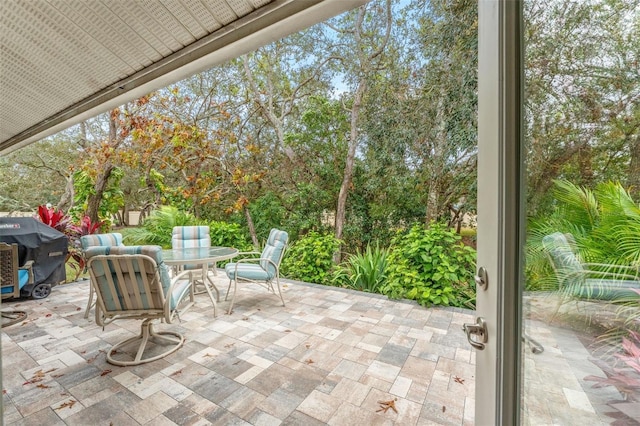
(63, 61)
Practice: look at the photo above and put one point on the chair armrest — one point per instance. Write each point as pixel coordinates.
(256, 260)
(174, 280)
(247, 255)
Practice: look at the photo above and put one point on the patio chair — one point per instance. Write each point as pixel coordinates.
(593, 281)
(132, 282)
(192, 237)
(98, 240)
(264, 269)
(13, 276)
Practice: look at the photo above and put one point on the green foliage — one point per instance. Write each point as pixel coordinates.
(112, 198)
(267, 212)
(431, 266)
(364, 271)
(605, 224)
(226, 234)
(310, 258)
(157, 228)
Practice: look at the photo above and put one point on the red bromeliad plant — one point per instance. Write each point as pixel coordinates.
(56, 219)
(624, 377)
(86, 227)
(61, 222)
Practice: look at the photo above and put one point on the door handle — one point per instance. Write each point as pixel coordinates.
(479, 329)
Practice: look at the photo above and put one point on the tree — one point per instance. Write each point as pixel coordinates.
(582, 93)
(38, 174)
(361, 42)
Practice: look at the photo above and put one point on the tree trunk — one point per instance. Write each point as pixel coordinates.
(633, 177)
(439, 142)
(252, 228)
(66, 200)
(102, 180)
(348, 166)
(93, 204)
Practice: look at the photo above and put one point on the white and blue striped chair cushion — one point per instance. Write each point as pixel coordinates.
(264, 270)
(190, 236)
(108, 240)
(138, 264)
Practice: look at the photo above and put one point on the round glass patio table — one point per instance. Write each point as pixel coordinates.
(202, 257)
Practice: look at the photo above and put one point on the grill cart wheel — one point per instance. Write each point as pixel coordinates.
(40, 291)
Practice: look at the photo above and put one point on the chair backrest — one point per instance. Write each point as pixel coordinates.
(274, 250)
(129, 280)
(190, 236)
(106, 240)
(565, 262)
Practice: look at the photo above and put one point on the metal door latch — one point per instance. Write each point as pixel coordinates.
(478, 329)
(482, 278)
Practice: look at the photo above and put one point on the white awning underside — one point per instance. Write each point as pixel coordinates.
(63, 61)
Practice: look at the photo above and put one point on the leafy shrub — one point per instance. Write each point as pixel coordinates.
(226, 234)
(364, 271)
(158, 226)
(310, 258)
(432, 267)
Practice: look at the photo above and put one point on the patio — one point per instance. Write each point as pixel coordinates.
(329, 357)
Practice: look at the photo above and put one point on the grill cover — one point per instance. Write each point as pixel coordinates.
(41, 243)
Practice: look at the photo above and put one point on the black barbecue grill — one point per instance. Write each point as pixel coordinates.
(44, 245)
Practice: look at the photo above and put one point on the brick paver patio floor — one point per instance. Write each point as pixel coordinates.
(329, 357)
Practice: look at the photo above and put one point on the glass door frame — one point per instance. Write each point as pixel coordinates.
(501, 223)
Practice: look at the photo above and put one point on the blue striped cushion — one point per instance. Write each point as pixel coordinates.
(190, 236)
(250, 271)
(112, 239)
(155, 253)
(273, 249)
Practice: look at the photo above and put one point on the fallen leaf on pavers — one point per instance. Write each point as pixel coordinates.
(308, 345)
(78, 309)
(4, 391)
(48, 315)
(38, 376)
(245, 318)
(228, 345)
(67, 404)
(458, 380)
(287, 331)
(385, 405)
(42, 386)
(105, 372)
(309, 361)
(175, 373)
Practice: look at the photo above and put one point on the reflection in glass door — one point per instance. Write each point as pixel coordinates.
(580, 360)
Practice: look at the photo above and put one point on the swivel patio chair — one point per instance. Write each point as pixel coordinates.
(98, 240)
(132, 282)
(593, 281)
(264, 269)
